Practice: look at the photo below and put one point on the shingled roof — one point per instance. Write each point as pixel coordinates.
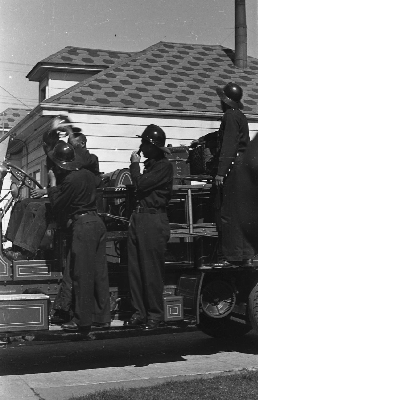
(11, 116)
(83, 56)
(165, 76)
(77, 57)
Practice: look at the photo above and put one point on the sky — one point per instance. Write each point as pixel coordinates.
(32, 30)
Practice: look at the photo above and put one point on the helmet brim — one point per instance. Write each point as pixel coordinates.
(164, 149)
(67, 165)
(227, 100)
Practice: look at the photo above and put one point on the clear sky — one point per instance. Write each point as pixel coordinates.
(31, 30)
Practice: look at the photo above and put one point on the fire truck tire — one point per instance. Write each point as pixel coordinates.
(253, 307)
(222, 327)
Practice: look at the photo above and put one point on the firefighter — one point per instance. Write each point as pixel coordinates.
(90, 161)
(232, 140)
(30, 217)
(62, 310)
(246, 192)
(149, 230)
(72, 192)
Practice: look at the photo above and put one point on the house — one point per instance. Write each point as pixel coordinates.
(9, 118)
(113, 95)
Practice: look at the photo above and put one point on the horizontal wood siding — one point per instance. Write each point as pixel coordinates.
(113, 137)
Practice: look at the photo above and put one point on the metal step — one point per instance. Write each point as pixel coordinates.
(117, 330)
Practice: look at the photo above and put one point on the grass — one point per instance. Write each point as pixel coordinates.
(242, 385)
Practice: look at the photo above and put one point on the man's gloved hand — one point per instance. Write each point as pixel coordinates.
(62, 123)
(196, 142)
(52, 178)
(135, 157)
(38, 193)
(219, 180)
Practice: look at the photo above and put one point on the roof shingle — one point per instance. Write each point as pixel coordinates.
(11, 116)
(81, 56)
(165, 76)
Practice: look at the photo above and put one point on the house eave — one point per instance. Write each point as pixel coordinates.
(54, 107)
(37, 73)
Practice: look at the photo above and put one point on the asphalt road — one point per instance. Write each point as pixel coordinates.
(137, 351)
(81, 366)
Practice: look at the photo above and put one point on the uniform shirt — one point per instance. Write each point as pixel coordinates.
(76, 193)
(154, 186)
(89, 161)
(233, 138)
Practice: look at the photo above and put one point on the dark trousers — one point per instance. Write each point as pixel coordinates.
(64, 298)
(234, 246)
(89, 271)
(148, 235)
(28, 222)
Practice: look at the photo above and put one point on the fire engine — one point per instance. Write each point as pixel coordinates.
(199, 291)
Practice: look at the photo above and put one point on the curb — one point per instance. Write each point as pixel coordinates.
(81, 390)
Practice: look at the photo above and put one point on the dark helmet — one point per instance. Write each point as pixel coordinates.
(231, 94)
(63, 155)
(155, 135)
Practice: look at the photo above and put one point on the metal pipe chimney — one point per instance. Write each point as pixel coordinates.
(240, 34)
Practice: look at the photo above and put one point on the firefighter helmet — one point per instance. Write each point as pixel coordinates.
(231, 94)
(63, 155)
(156, 136)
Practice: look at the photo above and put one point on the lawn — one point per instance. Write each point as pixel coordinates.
(242, 385)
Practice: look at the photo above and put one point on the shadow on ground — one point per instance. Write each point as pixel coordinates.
(134, 351)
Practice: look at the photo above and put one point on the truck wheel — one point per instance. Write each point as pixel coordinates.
(217, 298)
(217, 301)
(253, 307)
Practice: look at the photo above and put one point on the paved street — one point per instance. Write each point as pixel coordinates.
(60, 370)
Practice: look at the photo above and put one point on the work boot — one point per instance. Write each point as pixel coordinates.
(134, 322)
(101, 325)
(151, 325)
(59, 317)
(15, 255)
(72, 326)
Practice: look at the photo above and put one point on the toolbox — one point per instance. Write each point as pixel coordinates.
(173, 308)
(24, 312)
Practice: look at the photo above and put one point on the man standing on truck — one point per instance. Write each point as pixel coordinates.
(62, 306)
(30, 217)
(72, 193)
(149, 230)
(232, 139)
